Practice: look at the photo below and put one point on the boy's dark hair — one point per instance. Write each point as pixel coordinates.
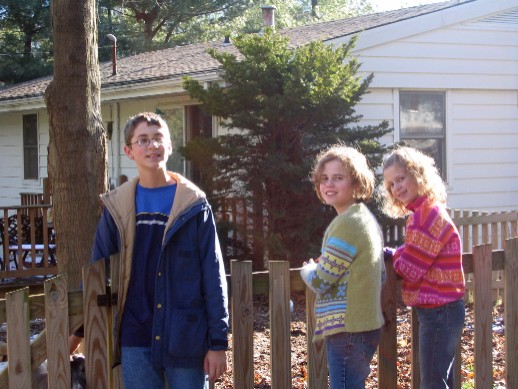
(134, 121)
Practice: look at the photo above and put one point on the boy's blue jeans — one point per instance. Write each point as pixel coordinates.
(349, 355)
(138, 372)
(440, 330)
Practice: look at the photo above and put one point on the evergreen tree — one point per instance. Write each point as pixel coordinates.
(25, 40)
(285, 106)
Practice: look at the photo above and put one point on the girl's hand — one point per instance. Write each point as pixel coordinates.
(388, 253)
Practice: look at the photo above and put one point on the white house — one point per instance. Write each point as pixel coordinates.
(446, 78)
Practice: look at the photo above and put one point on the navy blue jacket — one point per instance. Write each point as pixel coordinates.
(191, 304)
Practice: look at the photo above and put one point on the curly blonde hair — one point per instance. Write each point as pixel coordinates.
(354, 162)
(422, 168)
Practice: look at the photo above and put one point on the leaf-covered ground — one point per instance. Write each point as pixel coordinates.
(298, 349)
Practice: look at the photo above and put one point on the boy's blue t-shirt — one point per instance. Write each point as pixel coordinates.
(153, 206)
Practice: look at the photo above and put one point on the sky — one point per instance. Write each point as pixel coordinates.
(386, 5)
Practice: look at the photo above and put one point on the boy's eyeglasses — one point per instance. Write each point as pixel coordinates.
(145, 142)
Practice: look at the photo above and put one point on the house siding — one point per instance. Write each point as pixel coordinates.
(471, 55)
(11, 156)
(485, 150)
(475, 64)
(470, 52)
(482, 144)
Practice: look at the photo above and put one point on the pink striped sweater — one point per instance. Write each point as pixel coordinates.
(430, 261)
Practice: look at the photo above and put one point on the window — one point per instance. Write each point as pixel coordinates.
(174, 118)
(198, 125)
(30, 147)
(422, 118)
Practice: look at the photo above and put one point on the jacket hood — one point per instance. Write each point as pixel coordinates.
(187, 195)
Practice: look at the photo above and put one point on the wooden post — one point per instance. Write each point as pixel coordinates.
(242, 319)
(416, 364)
(387, 351)
(511, 312)
(96, 326)
(115, 372)
(280, 357)
(317, 360)
(18, 347)
(482, 266)
(57, 328)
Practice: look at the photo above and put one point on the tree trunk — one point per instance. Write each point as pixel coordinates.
(77, 147)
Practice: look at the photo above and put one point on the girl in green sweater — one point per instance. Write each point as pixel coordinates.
(347, 277)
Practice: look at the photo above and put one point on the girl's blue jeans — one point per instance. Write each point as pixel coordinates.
(349, 355)
(440, 330)
(138, 372)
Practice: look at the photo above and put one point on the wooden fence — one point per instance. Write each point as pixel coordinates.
(475, 228)
(64, 312)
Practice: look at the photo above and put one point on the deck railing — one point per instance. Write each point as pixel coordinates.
(27, 242)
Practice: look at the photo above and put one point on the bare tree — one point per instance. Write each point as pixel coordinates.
(77, 161)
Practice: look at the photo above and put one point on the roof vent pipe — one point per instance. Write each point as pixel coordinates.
(268, 16)
(114, 52)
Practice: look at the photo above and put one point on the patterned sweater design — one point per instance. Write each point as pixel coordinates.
(430, 261)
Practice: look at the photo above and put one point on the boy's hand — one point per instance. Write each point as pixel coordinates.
(215, 364)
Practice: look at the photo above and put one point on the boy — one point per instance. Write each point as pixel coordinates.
(172, 319)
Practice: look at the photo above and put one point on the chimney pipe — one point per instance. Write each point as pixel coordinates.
(114, 52)
(268, 16)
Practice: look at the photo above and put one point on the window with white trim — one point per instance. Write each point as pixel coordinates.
(422, 118)
(30, 147)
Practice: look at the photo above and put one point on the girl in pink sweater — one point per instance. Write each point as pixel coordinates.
(429, 262)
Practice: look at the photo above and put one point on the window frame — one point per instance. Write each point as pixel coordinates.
(30, 146)
(442, 138)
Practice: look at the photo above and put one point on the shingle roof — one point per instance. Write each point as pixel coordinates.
(193, 59)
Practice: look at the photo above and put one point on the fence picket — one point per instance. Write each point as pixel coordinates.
(486, 229)
(280, 357)
(387, 351)
(18, 308)
(18, 346)
(482, 265)
(57, 327)
(96, 326)
(242, 318)
(116, 372)
(494, 235)
(511, 312)
(317, 360)
(414, 356)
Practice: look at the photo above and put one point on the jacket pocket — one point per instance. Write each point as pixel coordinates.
(188, 333)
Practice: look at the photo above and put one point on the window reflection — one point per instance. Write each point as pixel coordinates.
(422, 124)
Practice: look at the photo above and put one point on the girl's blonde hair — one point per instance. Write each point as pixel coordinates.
(354, 162)
(422, 168)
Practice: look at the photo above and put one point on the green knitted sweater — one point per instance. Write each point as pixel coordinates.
(348, 277)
